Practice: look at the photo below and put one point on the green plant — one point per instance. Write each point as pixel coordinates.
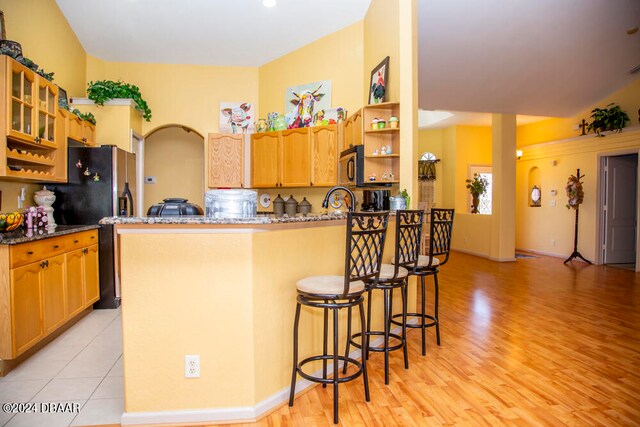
(85, 116)
(612, 117)
(478, 185)
(102, 91)
(404, 193)
(33, 66)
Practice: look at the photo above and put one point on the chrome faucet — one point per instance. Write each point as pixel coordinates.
(325, 202)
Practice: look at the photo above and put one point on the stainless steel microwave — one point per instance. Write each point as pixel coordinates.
(351, 169)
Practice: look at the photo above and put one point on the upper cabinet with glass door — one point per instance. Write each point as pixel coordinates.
(32, 140)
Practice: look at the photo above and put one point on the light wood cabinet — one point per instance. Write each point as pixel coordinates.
(226, 160)
(29, 120)
(385, 167)
(91, 275)
(25, 322)
(53, 291)
(264, 160)
(79, 130)
(74, 282)
(353, 130)
(324, 155)
(43, 284)
(295, 158)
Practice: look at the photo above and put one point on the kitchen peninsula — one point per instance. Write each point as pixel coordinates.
(223, 290)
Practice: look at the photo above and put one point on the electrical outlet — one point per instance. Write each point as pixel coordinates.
(149, 179)
(192, 366)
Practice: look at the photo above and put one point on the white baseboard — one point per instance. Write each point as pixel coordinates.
(233, 415)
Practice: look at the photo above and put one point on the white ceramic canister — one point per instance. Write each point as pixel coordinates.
(45, 198)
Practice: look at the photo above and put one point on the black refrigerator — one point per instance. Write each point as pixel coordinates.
(102, 183)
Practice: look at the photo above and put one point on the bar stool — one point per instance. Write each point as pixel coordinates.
(393, 276)
(366, 234)
(428, 265)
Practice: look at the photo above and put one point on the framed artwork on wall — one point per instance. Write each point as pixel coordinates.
(236, 117)
(379, 80)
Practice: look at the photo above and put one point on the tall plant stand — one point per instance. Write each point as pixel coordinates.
(575, 253)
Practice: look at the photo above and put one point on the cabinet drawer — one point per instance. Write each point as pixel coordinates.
(80, 240)
(26, 253)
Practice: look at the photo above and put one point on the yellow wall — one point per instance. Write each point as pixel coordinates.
(562, 128)
(336, 57)
(114, 124)
(473, 147)
(32, 24)
(538, 227)
(382, 39)
(187, 95)
(176, 159)
(46, 38)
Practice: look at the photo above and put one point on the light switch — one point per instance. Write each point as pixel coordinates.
(149, 179)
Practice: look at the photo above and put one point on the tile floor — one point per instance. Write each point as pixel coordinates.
(81, 366)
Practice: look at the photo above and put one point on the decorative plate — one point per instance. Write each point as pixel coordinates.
(336, 201)
(265, 200)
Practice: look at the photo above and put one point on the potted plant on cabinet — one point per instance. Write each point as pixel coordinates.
(477, 187)
(612, 118)
(103, 90)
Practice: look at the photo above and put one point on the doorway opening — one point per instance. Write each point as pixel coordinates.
(618, 213)
(173, 165)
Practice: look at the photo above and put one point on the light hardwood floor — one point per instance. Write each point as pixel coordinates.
(533, 342)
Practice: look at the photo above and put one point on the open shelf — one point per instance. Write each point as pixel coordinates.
(28, 157)
(383, 130)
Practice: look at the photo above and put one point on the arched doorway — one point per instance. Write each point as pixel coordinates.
(173, 165)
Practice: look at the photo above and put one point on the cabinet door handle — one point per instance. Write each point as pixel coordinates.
(93, 237)
(75, 241)
(56, 246)
(30, 253)
(85, 251)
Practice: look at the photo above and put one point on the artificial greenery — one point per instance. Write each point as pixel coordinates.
(612, 117)
(103, 90)
(85, 116)
(478, 185)
(404, 193)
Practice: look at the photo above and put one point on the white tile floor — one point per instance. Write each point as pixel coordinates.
(82, 366)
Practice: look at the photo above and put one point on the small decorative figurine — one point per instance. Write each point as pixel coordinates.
(383, 150)
(375, 153)
(96, 177)
(388, 150)
(372, 176)
(384, 176)
(86, 172)
(79, 164)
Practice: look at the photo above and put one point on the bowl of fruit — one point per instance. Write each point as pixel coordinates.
(10, 221)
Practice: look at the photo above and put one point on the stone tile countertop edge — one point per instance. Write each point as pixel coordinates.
(22, 236)
(195, 220)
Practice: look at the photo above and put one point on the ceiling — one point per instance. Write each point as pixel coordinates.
(526, 57)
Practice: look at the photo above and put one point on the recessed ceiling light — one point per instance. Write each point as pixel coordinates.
(269, 3)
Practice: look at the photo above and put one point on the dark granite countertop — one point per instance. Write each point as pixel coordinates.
(200, 219)
(22, 235)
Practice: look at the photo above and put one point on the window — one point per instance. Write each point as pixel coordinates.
(485, 199)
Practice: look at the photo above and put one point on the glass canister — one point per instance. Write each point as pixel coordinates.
(291, 206)
(397, 202)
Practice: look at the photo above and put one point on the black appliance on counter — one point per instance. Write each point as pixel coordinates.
(174, 207)
(375, 200)
(102, 183)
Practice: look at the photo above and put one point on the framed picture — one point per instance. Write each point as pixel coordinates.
(63, 101)
(236, 117)
(378, 84)
(3, 31)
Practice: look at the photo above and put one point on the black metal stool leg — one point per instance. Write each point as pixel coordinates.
(435, 310)
(292, 393)
(423, 318)
(387, 314)
(403, 292)
(335, 366)
(346, 351)
(368, 320)
(324, 345)
(365, 354)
